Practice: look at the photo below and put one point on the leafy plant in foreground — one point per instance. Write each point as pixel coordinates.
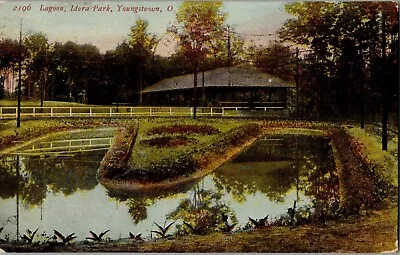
(163, 230)
(228, 227)
(96, 237)
(1, 230)
(259, 223)
(64, 240)
(137, 237)
(197, 229)
(28, 237)
(292, 214)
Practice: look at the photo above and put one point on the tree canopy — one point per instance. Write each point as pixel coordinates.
(346, 58)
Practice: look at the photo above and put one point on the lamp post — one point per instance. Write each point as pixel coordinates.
(19, 77)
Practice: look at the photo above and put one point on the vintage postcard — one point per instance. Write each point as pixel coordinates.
(199, 126)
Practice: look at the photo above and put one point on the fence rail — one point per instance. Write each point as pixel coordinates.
(125, 111)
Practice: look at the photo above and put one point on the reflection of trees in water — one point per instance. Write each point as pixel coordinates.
(138, 201)
(138, 208)
(274, 182)
(137, 204)
(200, 205)
(274, 167)
(65, 175)
(203, 208)
(312, 173)
(8, 179)
(321, 184)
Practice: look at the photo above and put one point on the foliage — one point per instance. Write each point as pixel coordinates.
(1, 230)
(200, 23)
(95, 237)
(369, 145)
(64, 240)
(37, 48)
(140, 38)
(115, 161)
(28, 237)
(202, 212)
(9, 53)
(198, 228)
(292, 214)
(276, 59)
(228, 228)
(344, 70)
(363, 185)
(259, 223)
(73, 70)
(162, 232)
(137, 237)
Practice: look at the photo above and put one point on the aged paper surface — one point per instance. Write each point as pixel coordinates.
(172, 126)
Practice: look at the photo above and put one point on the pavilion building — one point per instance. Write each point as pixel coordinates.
(235, 86)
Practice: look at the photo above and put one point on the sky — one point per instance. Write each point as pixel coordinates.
(107, 28)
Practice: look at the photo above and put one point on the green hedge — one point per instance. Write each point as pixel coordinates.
(115, 161)
(362, 185)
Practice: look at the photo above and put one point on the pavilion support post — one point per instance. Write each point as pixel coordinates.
(270, 95)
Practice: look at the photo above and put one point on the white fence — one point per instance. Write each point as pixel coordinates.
(102, 111)
(127, 111)
(61, 147)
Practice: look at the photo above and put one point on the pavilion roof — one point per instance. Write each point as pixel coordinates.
(234, 76)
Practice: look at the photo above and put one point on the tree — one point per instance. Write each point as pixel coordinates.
(200, 24)
(143, 44)
(276, 59)
(73, 70)
(140, 38)
(346, 39)
(36, 65)
(9, 50)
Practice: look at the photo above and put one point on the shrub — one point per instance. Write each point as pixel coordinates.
(116, 159)
(362, 185)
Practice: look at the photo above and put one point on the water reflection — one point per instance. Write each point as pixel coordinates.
(265, 179)
(39, 176)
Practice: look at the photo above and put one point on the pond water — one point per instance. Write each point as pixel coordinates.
(59, 190)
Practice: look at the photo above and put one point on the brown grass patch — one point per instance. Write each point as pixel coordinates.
(169, 141)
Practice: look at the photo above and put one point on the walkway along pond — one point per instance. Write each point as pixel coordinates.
(60, 191)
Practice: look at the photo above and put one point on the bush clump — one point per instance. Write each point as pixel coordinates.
(116, 159)
(183, 129)
(362, 185)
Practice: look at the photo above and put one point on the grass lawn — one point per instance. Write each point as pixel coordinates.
(36, 103)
